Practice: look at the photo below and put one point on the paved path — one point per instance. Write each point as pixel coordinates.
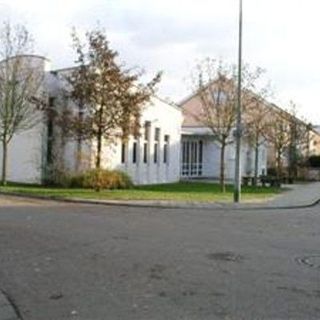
(6, 310)
(298, 195)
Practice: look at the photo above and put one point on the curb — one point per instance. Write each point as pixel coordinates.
(7, 309)
(164, 204)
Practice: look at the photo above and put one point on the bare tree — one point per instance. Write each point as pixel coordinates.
(256, 121)
(299, 141)
(19, 87)
(108, 96)
(289, 136)
(278, 136)
(215, 84)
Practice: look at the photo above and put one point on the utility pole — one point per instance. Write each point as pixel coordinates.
(237, 180)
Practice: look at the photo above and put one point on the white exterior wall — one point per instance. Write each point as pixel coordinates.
(160, 114)
(168, 119)
(25, 150)
(25, 160)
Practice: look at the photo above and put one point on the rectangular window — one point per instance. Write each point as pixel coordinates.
(123, 152)
(157, 134)
(134, 152)
(156, 150)
(200, 165)
(166, 148)
(165, 153)
(147, 125)
(200, 151)
(145, 152)
(155, 153)
(51, 102)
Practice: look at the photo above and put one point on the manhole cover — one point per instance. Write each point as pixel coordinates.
(224, 256)
(310, 261)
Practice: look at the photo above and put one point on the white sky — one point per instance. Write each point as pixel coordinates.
(171, 35)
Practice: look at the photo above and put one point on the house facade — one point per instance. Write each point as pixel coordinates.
(171, 145)
(151, 157)
(200, 152)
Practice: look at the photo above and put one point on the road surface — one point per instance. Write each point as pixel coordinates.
(65, 261)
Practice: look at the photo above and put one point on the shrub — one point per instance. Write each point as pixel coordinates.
(101, 179)
(56, 177)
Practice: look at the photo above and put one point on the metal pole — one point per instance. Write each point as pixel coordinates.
(237, 180)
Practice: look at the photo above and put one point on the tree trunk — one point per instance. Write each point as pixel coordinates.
(256, 165)
(4, 162)
(222, 168)
(99, 138)
(79, 138)
(99, 147)
(79, 154)
(279, 166)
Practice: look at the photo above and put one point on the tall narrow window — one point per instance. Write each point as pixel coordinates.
(145, 152)
(166, 148)
(156, 144)
(134, 152)
(200, 161)
(147, 126)
(200, 151)
(155, 153)
(123, 152)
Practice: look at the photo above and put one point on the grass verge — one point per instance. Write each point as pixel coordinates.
(181, 191)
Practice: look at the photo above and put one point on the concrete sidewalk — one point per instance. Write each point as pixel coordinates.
(296, 195)
(7, 312)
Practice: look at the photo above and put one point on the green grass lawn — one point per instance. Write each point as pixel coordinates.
(182, 191)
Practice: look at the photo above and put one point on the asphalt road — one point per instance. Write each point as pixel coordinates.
(64, 261)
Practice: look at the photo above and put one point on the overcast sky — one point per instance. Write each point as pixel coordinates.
(171, 35)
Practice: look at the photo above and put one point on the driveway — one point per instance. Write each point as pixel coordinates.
(66, 261)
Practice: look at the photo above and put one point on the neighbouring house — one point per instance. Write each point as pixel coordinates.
(200, 152)
(314, 141)
(307, 146)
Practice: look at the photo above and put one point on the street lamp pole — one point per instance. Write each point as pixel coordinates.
(237, 180)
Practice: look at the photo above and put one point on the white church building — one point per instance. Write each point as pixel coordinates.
(171, 146)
